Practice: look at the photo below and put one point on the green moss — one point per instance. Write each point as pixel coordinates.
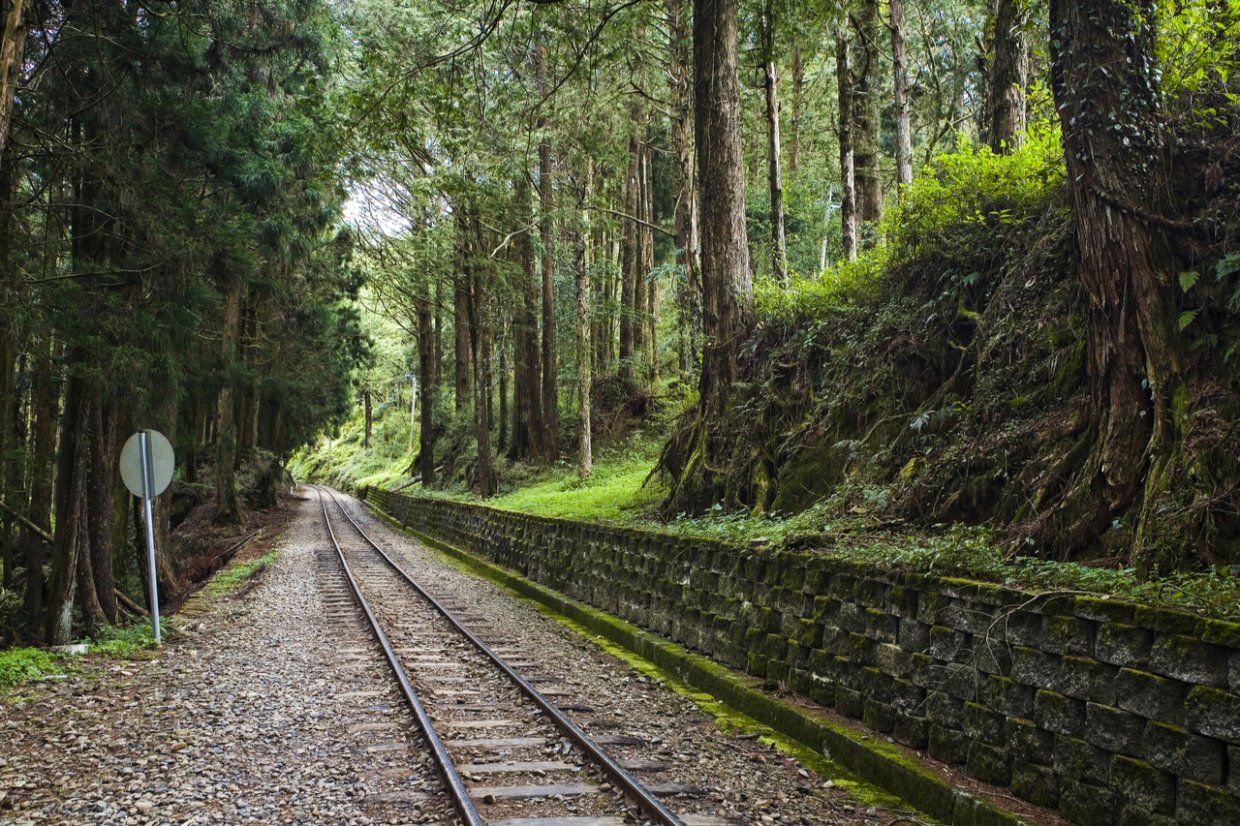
(238, 574)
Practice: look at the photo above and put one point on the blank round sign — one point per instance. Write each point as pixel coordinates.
(162, 462)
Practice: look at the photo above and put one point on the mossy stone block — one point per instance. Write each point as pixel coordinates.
(1007, 696)
(945, 710)
(902, 601)
(893, 660)
(848, 702)
(1087, 805)
(912, 731)
(1058, 712)
(1024, 629)
(1204, 805)
(1179, 751)
(948, 644)
(930, 606)
(1233, 673)
(879, 716)
(876, 685)
(990, 764)
(851, 617)
(1133, 815)
(1114, 729)
(1213, 712)
(1029, 744)
(1102, 609)
(1037, 784)
(1087, 679)
(1035, 668)
(1069, 635)
(1138, 782)
(1082, 761)
(991, 656)
(1151, 696)
(1190, 660)
(967, 616)
(908, 698)
(983, 725)
(860, 648)
(1233, 772)
(913, 636)
(881, 626)
(948, 745)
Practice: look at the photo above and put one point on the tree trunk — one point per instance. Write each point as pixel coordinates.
(899, 71)
(1007, 76)
(688, 289)
(227, 505)
(630, 256)
(527, 425)
(699, 475)
(69, 507)
(585, 455)
(798, 108)
(426, 391)
(12, 48)
(368, 419)
(866, 121)
(462, 360)
(848, 189)
(501, 345)
(485, 483)
(101, 483)
(1116, 163)
(648, 301)
(774, 177)
(550, 392)
(43, 414)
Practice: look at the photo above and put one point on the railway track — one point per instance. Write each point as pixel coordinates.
(497, 727)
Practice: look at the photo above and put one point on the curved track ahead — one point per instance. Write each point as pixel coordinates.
(466, 689)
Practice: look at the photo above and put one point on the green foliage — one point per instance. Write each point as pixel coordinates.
(961, 198)
(1198, 49)
(239, 573)
(132, 642)
(19, 665)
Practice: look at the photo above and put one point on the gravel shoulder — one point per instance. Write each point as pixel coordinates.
(257, 712)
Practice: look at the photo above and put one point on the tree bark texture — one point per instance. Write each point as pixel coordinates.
(227, 505)
(866, 122)
(700, 477)
(899, 71)
(848, 188)
(630, 257)
(1007, 76)
(585, 454)
(774, 175)
(1113, 145)
(546, 207)
(12, 48)
(426, 392)
(461, 351)
(527, 424)
(685, 224)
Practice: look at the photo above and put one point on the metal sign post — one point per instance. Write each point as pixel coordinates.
(146, 470)
(148, 486)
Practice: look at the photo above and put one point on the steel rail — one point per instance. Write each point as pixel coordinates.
(650, 805)
(461, 800)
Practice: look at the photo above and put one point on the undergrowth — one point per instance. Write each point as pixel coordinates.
(237, 575)
(20, 665)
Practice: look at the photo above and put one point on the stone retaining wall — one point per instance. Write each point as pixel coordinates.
(1112, 713)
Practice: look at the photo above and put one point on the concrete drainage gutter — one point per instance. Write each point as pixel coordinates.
(879, 763)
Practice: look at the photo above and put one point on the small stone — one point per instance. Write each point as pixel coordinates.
(144, 806)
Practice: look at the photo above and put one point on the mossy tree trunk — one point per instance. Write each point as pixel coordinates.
(699, 471)
(1102, 68)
